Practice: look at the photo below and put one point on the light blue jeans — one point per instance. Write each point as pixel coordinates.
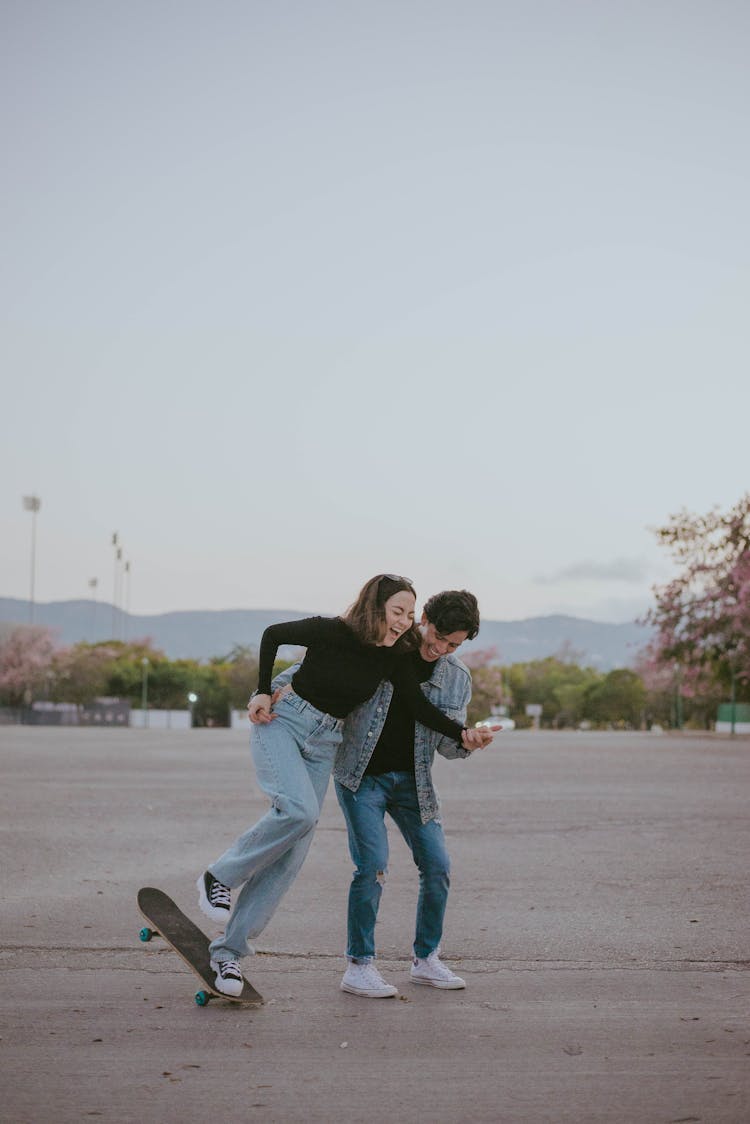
(293, 758)
(364, 812)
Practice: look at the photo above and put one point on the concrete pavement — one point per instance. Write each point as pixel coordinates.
(599, 913)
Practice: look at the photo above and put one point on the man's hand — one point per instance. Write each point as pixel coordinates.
(259, 710)
(478, 738)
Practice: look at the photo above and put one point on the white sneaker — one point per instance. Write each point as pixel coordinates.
(365, 979)
(434, 973)
(228, 976)
(214, 898)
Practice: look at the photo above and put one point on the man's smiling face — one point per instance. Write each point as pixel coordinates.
(434, 644)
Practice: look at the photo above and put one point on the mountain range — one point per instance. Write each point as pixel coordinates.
(202, 634)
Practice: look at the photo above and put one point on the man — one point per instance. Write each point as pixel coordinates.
(384, 765)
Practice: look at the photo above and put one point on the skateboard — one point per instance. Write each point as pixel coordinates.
(189, 942)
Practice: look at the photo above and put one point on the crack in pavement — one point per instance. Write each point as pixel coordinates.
(495, 963)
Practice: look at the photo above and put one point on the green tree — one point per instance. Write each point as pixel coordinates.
(169, 683)
(618, 699)
(488, 688)
(125, 679)
(241, 674)
(81, 672)
(210, 683)
(570, 698)
(555, 683)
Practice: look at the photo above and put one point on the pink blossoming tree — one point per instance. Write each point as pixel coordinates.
(702, 616)
(25, 661)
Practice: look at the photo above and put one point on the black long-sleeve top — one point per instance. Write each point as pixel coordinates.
(339, 671)
(394, 752)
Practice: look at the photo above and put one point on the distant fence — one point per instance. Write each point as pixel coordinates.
(106, 712)
(160, 719)
(741, 718)
(51, 714)
(103, 712)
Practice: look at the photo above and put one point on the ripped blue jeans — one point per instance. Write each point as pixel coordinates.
(364, 812)
(293, 758)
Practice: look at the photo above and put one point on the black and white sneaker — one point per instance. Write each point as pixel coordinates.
(214, 898)
(228, 976)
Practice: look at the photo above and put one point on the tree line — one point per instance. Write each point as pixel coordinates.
(32, 668)
(699, 657)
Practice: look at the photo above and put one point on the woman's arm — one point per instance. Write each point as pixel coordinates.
(303, 633)
(405, 683)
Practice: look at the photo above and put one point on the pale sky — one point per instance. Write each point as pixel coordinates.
(293, 293)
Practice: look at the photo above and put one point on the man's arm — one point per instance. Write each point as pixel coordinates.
(445, 747)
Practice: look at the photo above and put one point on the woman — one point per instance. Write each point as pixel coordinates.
(294, 747)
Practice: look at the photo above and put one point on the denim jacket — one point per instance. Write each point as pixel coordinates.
(449, 688)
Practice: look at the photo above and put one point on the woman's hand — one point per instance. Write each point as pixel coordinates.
(259, 710)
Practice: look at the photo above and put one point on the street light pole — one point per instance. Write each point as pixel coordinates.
(114, 592)
(733, 700)
(192, 699)
(126, 618)
(32, 504)
(144, 691)
(118, 580)
(93, 583)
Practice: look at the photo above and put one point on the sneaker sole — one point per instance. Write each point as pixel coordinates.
(236, 987)
(443, 985)
(369, 994)
(234, 994)
(220, 916)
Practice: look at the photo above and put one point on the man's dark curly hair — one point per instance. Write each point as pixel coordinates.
(454, 610)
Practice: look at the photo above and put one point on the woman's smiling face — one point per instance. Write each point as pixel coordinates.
(399, 616)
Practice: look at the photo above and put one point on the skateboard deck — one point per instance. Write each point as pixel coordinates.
(189, 942)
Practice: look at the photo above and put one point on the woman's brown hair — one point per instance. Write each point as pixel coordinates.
(366, 617)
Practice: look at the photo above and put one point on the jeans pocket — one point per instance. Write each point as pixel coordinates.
(321, 742)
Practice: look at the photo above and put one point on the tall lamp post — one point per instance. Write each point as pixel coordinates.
(126, 618)
(144, 691)
(93, 583)
(192, 699)
(118, 580)
(678, 696)
(32, 504)
(118, 554)
(733, 701)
